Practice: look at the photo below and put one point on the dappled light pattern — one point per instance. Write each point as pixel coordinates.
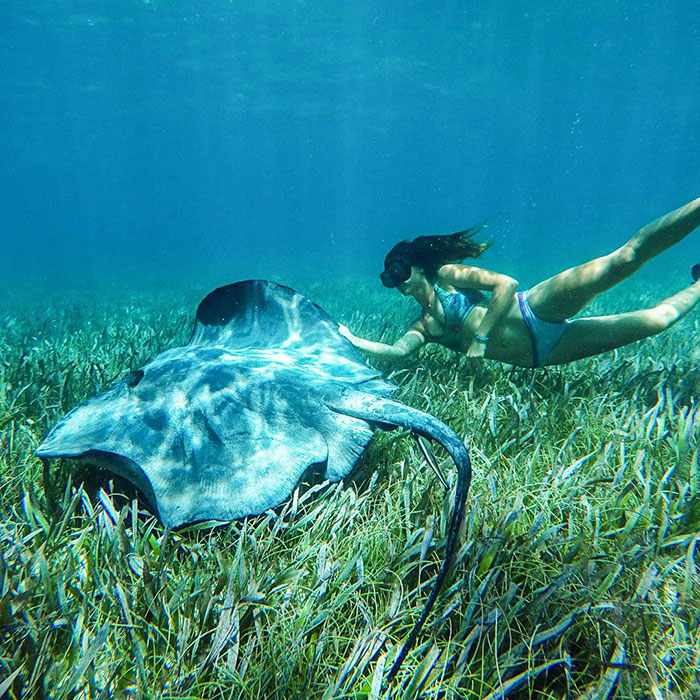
(226, 425)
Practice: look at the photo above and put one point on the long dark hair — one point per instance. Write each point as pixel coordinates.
(429, 253)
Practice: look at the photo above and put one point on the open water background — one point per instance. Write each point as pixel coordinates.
(154, 142)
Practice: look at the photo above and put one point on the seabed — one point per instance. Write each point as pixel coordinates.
(577, 575)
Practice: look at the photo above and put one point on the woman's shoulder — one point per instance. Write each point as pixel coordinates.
(456, 274)
(450, 269)
(471, 277)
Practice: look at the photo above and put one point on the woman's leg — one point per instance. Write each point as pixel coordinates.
(565, 294)
(584, 337)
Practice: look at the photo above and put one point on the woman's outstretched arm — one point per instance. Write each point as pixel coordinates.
(403, 347)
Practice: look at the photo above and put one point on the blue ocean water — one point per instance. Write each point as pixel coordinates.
(171, 140)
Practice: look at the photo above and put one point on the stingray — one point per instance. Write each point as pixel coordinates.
(227, 425)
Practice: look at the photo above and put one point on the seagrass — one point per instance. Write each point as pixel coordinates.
(576, 572)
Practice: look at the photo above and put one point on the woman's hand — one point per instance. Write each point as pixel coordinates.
(476, 350)
(345, 332)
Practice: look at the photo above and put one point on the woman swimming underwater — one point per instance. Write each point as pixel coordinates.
(532, 328)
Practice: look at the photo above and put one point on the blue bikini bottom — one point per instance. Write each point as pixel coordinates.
(543, 334)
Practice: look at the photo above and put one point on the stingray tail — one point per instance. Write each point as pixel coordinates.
(385, 412)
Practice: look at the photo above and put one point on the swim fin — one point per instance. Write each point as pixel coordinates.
(695, 272)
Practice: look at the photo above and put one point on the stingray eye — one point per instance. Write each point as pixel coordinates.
(134, 377)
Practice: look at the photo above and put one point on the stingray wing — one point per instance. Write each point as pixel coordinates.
(219, 442)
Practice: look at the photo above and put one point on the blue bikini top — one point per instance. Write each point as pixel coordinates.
(457, 305)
